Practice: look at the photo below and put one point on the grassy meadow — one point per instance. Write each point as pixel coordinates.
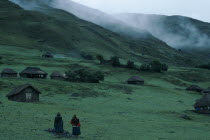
(110, 110)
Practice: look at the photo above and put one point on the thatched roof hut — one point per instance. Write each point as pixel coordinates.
(203, 105)
(24, 93)
(33, 72)
(135, 80)
(195, 88)
(47, 55)
(206, 90)
(58, 76)
(8, 73)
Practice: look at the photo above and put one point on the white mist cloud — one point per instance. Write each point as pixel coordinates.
(187, 34)
(192, 8)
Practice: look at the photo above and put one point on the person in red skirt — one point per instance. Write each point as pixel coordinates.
(75, 126)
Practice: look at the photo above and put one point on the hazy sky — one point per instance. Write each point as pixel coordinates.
(198, 9)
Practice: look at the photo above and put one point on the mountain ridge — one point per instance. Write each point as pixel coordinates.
(57, 30)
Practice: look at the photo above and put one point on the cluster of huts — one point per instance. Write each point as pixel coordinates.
(32, 72)
(28, 93)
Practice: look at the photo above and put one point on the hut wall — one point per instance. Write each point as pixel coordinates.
(21, 97)
(43, 76)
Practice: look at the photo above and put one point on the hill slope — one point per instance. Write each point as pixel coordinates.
(50, 29)
(179, 32)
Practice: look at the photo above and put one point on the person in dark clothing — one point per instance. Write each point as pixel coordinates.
(58, 124)
(75, 126)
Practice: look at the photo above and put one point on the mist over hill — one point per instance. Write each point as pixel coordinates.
(179, 32)
(42, 26)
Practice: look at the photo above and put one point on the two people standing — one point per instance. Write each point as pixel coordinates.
(58, 125)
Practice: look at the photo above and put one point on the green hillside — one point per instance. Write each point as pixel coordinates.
(111, 109)
(59, 31)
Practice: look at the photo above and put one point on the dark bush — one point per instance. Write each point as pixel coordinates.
(100, 58)
(86, 56)
(164, 67)
(83, 75)
(204, 66)
(115, 61)
(145, 67)
(130, 65)
(156, 66)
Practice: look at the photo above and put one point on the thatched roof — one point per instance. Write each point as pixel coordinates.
(18, 89)
(206, 90)
(57, 74)
(33, 70)
(48, 54)
(8, 71)
(135, 79)
(195, 88)
(203, 102)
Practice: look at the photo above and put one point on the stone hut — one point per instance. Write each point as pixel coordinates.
(8, 73)
(47, 55)
(33, 72)
(24, 93)
(195, 88)
(135, 80)
(203, 105)
(58, 76)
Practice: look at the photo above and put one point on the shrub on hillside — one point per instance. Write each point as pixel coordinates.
(130, 65)
(164, 67)
(156, 66)
(87, 56)
(84, 75)
(145, 67)
(100, 58)
(115, 61)
(204, 66)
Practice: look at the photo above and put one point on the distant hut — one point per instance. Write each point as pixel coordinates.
(24, 93)
(47, 55)
(203, 105)
(33, 72)
(206, 90)
(135, 80)
(195, 88)
(57, 76)
(8, 73)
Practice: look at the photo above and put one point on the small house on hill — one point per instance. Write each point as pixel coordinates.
(203, 105)
(58, 76)
(47, 55)
(135, 80)
(33, 72)
(206, 90)
(24, 93)
(195, 88)
(8, 73)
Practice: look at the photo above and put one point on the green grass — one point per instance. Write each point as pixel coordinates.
(109, 110)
